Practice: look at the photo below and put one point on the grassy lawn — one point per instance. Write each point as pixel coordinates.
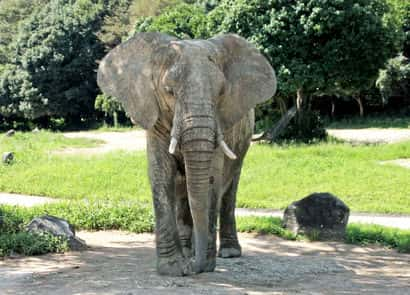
(273, 176)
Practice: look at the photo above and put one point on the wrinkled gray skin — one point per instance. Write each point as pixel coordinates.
(195, 98)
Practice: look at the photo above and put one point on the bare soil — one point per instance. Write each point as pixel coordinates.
(127, 141)
(371, 135)
(124, 263)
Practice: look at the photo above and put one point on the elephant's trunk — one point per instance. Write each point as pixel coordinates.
(198, 141)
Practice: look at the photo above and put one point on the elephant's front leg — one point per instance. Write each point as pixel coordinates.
(162, 172)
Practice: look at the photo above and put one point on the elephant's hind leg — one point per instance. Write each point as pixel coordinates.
(229, 244)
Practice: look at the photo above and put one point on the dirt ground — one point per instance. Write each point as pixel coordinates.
(371, 135)
(127, 141)
(124, 263)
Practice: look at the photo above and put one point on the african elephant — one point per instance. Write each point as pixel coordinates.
(195, 98)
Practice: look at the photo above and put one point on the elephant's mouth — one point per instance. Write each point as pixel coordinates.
(176, 136)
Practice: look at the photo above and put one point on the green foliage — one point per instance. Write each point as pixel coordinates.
(401, 13)
(121, 15)
(12, 12)
(53, 71)
(183, 21)
(310, 129)
(395, 78)
(364, 234)
(319, 46)
(109, 105)
(86, 214)
(31, 244)
(263, 225)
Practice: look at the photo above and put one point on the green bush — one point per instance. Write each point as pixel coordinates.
(90, 215)
(364, 234)
(31, 244)
(311, 128)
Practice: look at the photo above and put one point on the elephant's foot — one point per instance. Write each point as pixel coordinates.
(172, 266)
(210, 266)
(230, 250)
(187, 252)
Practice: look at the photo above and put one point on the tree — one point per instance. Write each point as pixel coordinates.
(12, 12)
(394, 79)
(53, 71)
(316, 46)
(401, 13)
(183, 21)
(110, 106)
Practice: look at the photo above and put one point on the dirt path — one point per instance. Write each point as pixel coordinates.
(128, 141)
(135, 140)
(371, 135)
(122, 263)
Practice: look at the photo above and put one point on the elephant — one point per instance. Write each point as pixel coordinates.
(195, 98)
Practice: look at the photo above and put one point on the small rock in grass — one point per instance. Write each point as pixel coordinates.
(10, 133)
(7, 157)
(35, 130)
(57, 227)
(320, 215)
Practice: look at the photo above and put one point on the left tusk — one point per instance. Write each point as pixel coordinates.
(227, 151)
(173, 145)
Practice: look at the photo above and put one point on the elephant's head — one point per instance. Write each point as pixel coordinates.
(199, 89)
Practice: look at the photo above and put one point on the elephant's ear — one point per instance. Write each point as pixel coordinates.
(250, 78)
(126, 73)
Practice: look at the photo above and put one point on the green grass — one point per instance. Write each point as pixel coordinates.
(370, 122)
(264, 226)
(273, 176)
(25, 243)
(364, 234)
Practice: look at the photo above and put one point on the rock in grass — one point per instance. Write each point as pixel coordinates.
(320, 216)
(35, 130)
(10, 133)
(57, 227)
(7, 157)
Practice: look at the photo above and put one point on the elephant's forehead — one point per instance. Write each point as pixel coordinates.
(196, 46)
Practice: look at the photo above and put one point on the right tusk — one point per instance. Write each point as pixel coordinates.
(227, 151)
(173, 145)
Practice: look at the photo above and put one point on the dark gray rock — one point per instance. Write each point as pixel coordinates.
(320, 215)
(7, 157)
(11, 132)
(57, 227)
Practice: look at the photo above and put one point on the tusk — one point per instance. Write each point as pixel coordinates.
(227, 151)
(173, 145)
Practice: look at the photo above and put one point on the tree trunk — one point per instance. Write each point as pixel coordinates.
(332, 111)
(301, 105)
(279, 127)
(300, 100)
(359, 101)
(115, 117)
(282, 105)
